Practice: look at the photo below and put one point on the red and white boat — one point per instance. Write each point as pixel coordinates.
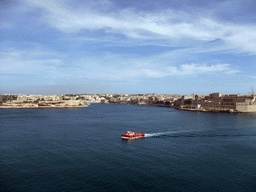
(132, 135)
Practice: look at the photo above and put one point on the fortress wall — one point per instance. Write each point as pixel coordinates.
(246, 108)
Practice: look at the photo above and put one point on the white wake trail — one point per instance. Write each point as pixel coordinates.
(168, 133)
(159, 134)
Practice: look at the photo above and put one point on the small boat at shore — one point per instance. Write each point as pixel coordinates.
(132, 135)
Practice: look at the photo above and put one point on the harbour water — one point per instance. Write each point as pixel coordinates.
(81, 149)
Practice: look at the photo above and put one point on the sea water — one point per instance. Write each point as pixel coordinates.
(81, 149)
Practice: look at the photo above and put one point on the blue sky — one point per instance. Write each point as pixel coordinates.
(169, 46)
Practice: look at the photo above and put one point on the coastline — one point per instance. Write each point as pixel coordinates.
(215, 102)
(181, 109)
(188, 109)
(207, 110)
(40, 107)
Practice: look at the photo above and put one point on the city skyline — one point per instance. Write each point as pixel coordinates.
(167, 47)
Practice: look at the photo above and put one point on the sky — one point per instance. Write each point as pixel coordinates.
(127, 47)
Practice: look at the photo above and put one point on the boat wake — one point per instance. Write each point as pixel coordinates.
(192, 134)
(160, 134)
(176, 133)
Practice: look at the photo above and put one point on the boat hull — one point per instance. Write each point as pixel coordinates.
(133, 136)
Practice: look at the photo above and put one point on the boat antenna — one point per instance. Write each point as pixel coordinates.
(252, 92)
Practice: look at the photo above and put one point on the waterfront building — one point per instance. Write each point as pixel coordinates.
(231, 102)
(215, 95)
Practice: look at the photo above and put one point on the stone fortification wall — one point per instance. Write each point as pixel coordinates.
(246, 108)
(43, 104)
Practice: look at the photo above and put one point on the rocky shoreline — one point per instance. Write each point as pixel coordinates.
(41, 107)
(43, 104)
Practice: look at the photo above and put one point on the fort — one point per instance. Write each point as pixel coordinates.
(216, 102)
(39, 101)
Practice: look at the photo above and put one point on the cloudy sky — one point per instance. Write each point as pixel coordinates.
(127, 46)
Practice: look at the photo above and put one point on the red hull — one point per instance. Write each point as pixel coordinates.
(132, 135)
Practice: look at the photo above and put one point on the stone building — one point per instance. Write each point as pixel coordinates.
(215, 95)
(1, 99)
(232, 102)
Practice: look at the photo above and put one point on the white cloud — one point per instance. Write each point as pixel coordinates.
(102, 68)
(138, 25)
(95, 71)
(6, 25)
(154, 73)
(243, 38)
(193, 69)
(28, 62)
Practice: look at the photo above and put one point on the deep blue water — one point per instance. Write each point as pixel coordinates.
(82, 150)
